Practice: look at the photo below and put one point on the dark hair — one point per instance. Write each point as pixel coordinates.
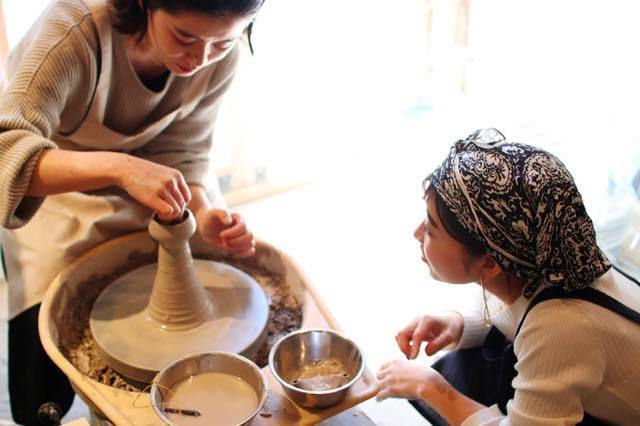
(130, 16)
(450, 223)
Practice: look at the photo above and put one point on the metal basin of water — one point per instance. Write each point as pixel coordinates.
(316, 367)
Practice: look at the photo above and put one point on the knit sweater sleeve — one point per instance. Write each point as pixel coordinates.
(475, 328)
(185, 145)
(49, 70)
(473, 332)
(559, 365)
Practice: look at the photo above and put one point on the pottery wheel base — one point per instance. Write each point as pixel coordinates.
(137, 346)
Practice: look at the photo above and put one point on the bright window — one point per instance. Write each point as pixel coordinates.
(336, 86)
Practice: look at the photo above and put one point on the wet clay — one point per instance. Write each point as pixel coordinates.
(78, 346)
(221, 399)
(161, 312)
(178, 300)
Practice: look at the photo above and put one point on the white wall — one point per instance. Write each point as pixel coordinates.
(19, 15)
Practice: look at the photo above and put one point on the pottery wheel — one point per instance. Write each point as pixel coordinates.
(135, 345)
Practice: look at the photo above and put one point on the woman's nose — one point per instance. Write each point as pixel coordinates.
(200, 54)
(419, 232)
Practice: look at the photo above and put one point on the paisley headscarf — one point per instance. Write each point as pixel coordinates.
(522, 204)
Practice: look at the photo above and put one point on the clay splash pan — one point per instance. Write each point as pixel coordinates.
(118, 406)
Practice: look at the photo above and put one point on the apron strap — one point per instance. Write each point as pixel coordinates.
(589, 294)
(4, 265)
(102, 21)
(629, 277)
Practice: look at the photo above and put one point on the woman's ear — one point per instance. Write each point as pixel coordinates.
(490, 268)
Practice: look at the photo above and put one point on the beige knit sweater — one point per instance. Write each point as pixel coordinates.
(52, 77)
(573, 356)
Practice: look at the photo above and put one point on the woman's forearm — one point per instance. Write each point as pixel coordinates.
(156, 186)
(454, 406)
(59, 171)
(199, 200)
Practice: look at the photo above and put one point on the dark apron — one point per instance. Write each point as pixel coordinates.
(485, 373)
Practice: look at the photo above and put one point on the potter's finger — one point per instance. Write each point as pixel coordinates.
(223, 216)
(237, 217)
(242, 248)
(165, 211)
(242, 240)
(183, 187)
(176, 194)
(246, 253)
(234, 231)
(168, 198)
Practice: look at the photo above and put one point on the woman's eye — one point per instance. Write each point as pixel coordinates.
(427, 228)
(223, 45)
(183, 42)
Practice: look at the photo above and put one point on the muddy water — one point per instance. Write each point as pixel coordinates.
(222, 400)
(322, 375)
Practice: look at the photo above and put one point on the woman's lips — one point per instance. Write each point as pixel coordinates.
(185, 69)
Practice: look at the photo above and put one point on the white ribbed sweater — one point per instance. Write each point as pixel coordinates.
(573, 356)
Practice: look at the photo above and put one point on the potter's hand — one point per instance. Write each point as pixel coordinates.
(436, 331)
(226, 230)
(403, 379)
(158, 187)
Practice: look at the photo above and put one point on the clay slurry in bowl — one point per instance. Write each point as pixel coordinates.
(322, 375)
(222, 400)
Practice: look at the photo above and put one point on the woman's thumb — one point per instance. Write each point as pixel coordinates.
(224, 217)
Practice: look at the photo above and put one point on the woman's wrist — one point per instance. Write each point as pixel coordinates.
(454, 406)
(59, 171)
(113, 166)
(199, 201)
(459, 320)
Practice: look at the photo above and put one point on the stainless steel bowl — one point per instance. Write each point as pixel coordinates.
(298, 353)
(210, 362)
